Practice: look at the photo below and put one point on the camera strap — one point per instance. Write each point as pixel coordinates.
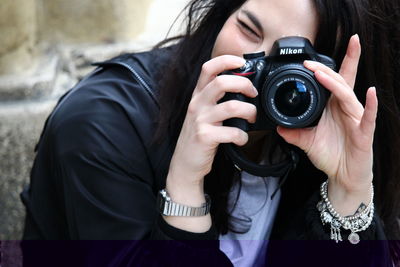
(281, 170)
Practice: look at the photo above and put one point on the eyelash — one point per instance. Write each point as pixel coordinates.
(247, 28)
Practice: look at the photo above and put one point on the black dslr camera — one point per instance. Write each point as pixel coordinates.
(289, 94)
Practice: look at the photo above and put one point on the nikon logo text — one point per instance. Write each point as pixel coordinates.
(291, 51)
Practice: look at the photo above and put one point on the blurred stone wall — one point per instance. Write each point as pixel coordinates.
(46, 46)
(17, 35)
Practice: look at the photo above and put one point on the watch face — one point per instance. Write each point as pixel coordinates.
(161, 200)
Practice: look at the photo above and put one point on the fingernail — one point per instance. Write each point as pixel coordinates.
(308, 62)
(241, 61)
(373, 89)
(357, 38)
(255, 91)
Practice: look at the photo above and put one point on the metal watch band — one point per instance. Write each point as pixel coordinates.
(169, 208)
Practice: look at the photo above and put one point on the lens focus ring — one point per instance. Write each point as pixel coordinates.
(292, 97)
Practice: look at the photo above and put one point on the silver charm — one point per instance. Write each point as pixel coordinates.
(326, 217)
(358, 222)
(333, 234)
(335, 230)
(321, 206)
(354, 238)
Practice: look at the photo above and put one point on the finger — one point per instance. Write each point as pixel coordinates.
(225, 134)
(347, 99)
(215, 66)
(302, 137)
(216, 89)
(232, 109)
(315, 66)
(368, 120)
(349, 66)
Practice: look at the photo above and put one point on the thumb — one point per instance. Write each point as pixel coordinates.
(301, 137)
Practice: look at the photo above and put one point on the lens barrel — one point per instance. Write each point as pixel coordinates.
(292, 97)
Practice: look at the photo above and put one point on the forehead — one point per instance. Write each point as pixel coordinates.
(281, 18)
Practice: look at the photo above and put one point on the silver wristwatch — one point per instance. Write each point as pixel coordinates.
(169, 208)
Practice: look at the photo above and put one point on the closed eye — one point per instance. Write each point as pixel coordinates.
(248, 28)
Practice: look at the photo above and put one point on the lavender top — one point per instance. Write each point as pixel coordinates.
(254, 211)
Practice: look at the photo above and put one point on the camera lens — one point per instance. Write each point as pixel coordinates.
(292, 98)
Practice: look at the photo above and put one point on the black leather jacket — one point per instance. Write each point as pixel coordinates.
(97, 173)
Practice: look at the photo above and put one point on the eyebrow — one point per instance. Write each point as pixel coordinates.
(253, 19)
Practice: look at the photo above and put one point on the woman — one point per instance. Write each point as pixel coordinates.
(146, 122)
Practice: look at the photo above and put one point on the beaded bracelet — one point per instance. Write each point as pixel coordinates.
(355, 223)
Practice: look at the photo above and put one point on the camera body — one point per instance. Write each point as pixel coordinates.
(289, 94)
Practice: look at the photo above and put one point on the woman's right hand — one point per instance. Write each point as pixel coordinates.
(202, 130)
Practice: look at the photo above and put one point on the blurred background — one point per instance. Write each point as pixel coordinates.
(46, 46)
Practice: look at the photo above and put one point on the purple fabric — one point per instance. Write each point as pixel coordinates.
(253, 214)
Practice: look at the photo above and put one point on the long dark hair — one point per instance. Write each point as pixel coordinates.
(376, 22)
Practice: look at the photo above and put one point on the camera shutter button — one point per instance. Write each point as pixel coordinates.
(246, 66)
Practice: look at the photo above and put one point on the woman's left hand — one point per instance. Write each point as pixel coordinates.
(341, 144)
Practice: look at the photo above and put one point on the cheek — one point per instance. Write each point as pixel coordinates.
(229, 42)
